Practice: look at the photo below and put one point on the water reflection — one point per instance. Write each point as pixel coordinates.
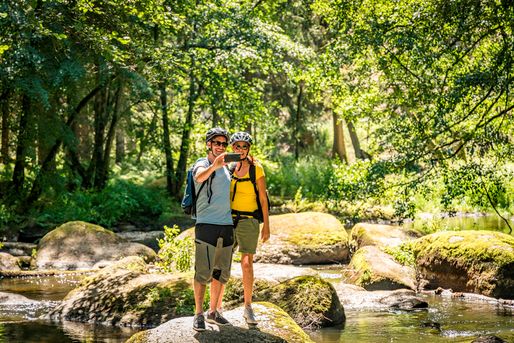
(448, 320)
(45, 332)
(489, 222)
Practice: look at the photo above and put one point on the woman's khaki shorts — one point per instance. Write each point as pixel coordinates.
(247, 235)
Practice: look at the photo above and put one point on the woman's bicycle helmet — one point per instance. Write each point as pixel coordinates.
(241, 137)
(214, 132)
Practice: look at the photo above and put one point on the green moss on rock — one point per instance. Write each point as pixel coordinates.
(374, 269)
(472, 261)
(311, 301)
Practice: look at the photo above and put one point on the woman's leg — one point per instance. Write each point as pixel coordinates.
(247, 269)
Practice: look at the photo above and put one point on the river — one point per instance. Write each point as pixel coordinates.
(447, 319)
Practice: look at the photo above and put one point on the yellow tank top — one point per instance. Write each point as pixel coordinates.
(245, 199)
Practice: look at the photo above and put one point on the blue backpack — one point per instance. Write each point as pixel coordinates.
(190, 195)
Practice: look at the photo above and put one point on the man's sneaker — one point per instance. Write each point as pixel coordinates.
(216, 318)
(199, 322)
(250, 316)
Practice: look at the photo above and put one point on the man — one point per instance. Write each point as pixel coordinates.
(214, 231)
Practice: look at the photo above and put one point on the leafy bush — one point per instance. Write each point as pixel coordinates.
(175, 254)
(361, 180)
(403, 254)
(120, 201)
(311, 174)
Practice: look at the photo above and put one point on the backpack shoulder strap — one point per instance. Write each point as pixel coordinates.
(252, 175)
(232, 168)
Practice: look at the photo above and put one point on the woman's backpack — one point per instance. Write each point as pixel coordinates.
(257, 214)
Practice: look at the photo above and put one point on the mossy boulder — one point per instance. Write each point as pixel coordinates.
(126, 294)
(373, 270)
(468, 261)
(363, 234)
(304, 238)
(311, 301)
(275, 326)
(81, 245)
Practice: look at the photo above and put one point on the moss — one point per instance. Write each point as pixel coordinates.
(363, 269)
(311, 301)
(467, 247)
(291, 331)
(317, 237)
(478, 261)
(309, 229)
(139, 337)
(79, 228)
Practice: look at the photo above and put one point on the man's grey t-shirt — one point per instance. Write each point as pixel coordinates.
(218, 210)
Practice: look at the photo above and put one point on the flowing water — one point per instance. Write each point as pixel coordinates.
(446, 320)
(20, 322)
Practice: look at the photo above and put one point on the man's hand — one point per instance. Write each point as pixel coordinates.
(219, 161)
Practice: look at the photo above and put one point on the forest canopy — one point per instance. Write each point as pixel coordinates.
(393, 103)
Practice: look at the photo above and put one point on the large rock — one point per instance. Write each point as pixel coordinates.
(8, 262)
(311, 301)
(304, 238)
(357, 298)
(275, 326)
(470, 261)
(375, 270)
(364, 234)
(81, 245)
(18, 248)
(125, 294)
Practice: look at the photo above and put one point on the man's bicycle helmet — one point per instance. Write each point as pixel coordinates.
(214, 132)
(241, 137)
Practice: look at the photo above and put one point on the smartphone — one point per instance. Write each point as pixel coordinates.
(232, 157)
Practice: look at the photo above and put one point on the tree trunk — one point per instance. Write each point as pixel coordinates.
(21, 148)
(170, 183)
(297, 123)
(99, 109)
(4, 104)
(359, 153)
(144, 140)
(103, 170)
(339, 147)
(120, 147)
(180, 173)
(36, 189)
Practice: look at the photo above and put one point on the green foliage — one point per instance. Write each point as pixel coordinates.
(120, 202)
(403, 254)
(311, 174)
(358, 181)
(6, 215)
(175, 254)
(477, 184)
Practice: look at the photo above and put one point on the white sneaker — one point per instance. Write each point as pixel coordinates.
(249, 316)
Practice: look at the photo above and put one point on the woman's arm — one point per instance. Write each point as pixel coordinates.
(263, 199)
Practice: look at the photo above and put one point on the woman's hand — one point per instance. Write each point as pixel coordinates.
(265, 233)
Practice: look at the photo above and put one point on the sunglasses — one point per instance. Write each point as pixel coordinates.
(218, 143)
(242, 147)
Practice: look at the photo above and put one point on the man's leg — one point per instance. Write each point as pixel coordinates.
(216, 294)
(199, 291)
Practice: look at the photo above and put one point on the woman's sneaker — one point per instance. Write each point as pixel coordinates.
(249, 316)
(216, 318)
(199, 322)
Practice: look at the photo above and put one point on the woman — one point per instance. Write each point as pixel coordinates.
(249, 203)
